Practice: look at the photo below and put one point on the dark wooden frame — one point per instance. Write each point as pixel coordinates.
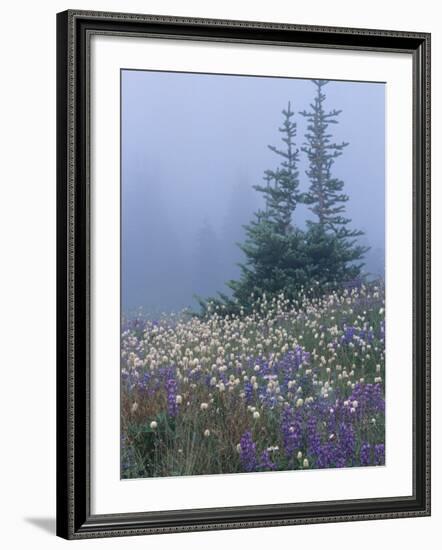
(74, 520)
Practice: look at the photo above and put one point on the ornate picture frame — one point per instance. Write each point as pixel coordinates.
(76, 518)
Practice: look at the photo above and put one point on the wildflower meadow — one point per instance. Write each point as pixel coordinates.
(291, 385)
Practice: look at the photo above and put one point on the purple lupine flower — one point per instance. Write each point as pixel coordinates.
(265, 368)
(313, 437)
(347, 443)
(369, 401)
(143, 381)
(382, 331)
(365, 454)
(349, 333)
(247, 452)
(379, 454)
(291, 431)
(325, 455)
(248, 391)
(289, 364)
(265, 463)
(171, 388)
(195, 375)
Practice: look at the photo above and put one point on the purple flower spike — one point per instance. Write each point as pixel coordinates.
(379, 454)
(248, 452)
(365, 454)
(265, 463)
(172, 407)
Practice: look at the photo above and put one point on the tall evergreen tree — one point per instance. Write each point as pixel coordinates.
(335, 254)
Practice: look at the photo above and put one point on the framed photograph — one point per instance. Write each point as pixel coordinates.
(243, 274)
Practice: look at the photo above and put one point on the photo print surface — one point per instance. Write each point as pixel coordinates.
(252, 274)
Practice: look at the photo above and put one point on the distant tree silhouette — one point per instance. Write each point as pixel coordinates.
(207, 269)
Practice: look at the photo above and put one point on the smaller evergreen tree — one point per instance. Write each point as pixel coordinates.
(274, 249)
(281, 192)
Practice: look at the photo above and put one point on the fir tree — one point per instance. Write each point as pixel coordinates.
(335, 255)
(281, 191)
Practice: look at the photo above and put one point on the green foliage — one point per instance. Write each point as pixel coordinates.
(275, 262)
(331, 260)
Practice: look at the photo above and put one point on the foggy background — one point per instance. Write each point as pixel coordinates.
(192, 148)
